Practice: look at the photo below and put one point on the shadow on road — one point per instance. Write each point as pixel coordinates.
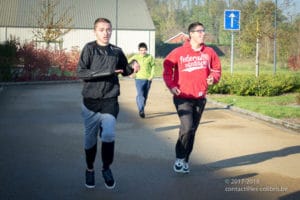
(292, 196)
(176, 127)
(254, 158)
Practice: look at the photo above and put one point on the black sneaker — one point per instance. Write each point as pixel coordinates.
(142, 114)
(89, 179)
(108, 179)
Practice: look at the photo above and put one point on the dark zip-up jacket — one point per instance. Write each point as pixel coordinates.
(96, 67)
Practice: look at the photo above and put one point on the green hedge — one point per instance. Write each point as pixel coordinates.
(8, 51)
(249, 85)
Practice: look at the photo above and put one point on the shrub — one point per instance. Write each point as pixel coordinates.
(223, 87)
(7, 59)
(5, 71)
(47, 64)
(249, 85)
(66, 61)
(36, 62)
(298, 98)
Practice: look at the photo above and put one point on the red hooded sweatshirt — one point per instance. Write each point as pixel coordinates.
(188, 70)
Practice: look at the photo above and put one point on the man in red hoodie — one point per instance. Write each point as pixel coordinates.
(188, 71)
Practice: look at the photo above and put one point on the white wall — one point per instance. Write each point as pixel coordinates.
(78, 38)
(23, 34)
(128, 40)
(2, 34)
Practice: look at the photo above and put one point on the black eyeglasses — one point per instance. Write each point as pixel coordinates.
(199, 31)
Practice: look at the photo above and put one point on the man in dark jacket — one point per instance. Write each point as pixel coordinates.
(99, 65)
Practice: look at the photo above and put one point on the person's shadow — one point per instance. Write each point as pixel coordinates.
(291, 196)
(254, 158)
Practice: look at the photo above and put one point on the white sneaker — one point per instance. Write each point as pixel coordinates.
(186, 168)
(180, 166)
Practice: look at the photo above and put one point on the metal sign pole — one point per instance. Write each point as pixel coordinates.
(232, 22)
(231, 56)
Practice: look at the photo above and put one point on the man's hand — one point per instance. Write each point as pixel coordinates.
(210, 80)
(119, 71)
(175, 91)
(135, 66)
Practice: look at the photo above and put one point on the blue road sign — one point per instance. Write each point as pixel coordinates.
(232, 19)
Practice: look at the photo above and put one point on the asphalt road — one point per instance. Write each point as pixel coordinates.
(235, 157)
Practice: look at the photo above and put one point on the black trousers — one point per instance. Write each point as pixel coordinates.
(189, 112)
(107, 153)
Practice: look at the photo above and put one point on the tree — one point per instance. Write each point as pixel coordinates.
(257, 21)
(50, 26)
(164, 19)
(289, 43)
(215, 17)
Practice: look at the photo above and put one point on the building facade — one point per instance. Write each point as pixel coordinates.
(131, 22)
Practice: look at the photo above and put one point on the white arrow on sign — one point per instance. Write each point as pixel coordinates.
(232, 16)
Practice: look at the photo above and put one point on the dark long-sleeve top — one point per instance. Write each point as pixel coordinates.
(96, 67)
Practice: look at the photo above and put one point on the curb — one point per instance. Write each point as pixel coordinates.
(285, 124)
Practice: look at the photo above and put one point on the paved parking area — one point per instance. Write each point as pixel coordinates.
(235, 156)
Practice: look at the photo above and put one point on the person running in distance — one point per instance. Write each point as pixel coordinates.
(143, 78)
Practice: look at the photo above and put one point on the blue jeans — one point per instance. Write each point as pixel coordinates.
(142, 88)
(93, 123)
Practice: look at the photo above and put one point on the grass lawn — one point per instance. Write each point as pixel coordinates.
(280, 107)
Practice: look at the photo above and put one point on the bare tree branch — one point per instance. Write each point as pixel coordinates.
(50, 25)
